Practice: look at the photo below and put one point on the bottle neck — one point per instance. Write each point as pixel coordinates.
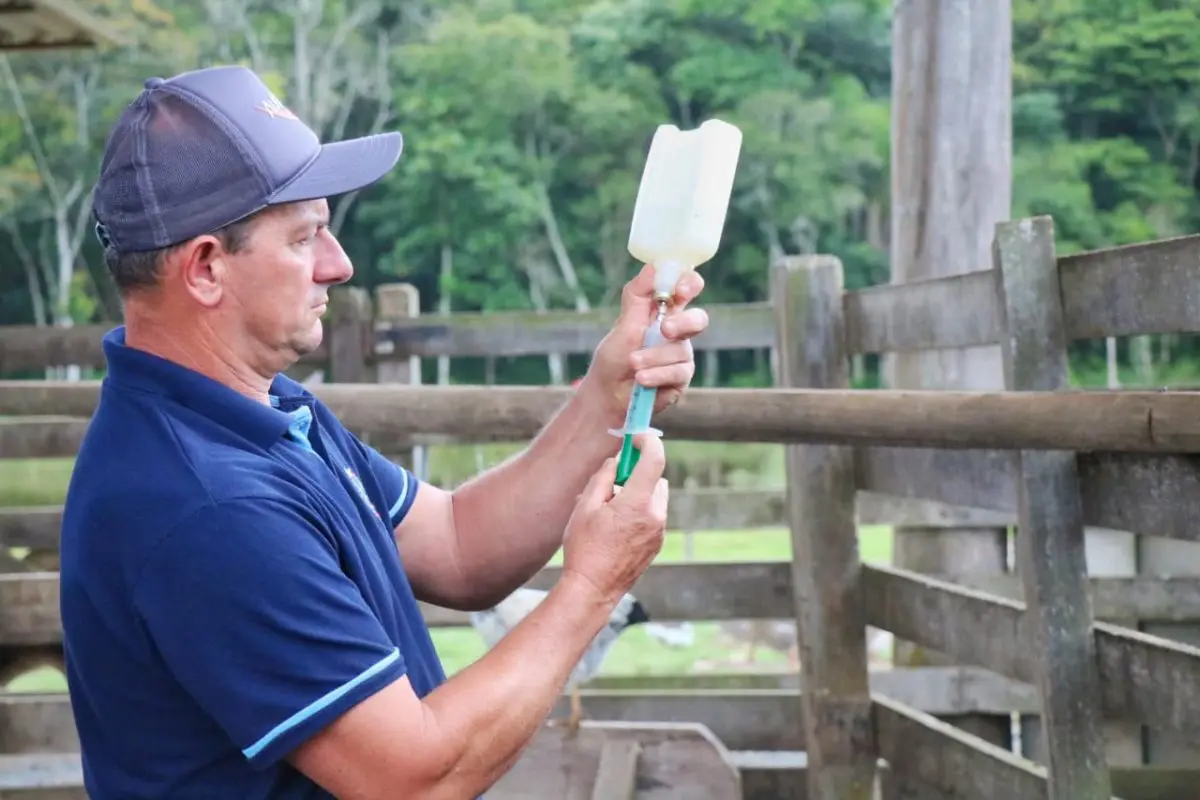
(666, 275)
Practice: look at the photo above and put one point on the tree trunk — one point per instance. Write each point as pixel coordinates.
(951, 182)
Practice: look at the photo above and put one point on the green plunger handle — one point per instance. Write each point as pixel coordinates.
(627, 460)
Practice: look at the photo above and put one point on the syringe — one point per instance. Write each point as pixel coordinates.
(641, 404)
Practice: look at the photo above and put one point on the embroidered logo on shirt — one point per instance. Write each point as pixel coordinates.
(362, 491)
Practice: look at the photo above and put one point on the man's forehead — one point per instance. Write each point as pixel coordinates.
(307, 210)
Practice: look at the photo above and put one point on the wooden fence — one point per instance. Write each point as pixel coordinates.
(1048, 460)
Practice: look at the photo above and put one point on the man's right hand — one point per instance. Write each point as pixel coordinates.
(612, 538)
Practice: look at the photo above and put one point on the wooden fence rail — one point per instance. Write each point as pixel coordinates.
(1113, 292)
(1050, 460)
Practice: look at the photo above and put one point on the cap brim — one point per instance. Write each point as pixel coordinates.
(343, 167)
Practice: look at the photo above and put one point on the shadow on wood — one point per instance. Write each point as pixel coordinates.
(673, 761)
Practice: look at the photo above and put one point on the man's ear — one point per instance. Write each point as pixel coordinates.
(203, 269)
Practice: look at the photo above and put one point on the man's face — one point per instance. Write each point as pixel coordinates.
(278, 284)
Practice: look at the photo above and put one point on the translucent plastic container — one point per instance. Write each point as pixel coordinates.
(678, 218)
(683, 198)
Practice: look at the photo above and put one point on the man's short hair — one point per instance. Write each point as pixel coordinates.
(142, 269)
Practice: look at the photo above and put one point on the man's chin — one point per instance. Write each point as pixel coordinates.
(309, 342)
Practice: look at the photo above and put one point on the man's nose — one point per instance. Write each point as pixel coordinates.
(333, 265)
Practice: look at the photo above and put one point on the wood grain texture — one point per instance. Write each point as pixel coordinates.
(826, 574)
(922, 748)
(1087, 421)
(1051, 555)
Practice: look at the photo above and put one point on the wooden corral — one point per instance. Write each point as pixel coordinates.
(1050, 461)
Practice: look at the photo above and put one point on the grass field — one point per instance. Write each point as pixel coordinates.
(43, 482)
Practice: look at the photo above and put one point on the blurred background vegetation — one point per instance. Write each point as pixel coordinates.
(526, 124)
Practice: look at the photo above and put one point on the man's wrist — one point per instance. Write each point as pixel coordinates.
(598, 403)
(581, 592)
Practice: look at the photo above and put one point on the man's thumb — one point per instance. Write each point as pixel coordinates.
(637, 298)
(599, 489)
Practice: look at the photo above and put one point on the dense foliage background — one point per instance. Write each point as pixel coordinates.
(526, 124)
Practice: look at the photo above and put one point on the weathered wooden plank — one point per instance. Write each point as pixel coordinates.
(942, 691)
(29, 609)
(811, 353)
(874, 508)
(1151, 287)
(1126, 422)
(36, 527)
(515, 333)
(30, 347)
(922, 748)
(24, 347)
(1150, 680)
(984, 479)
(616, 776)
(778, 775)
(41, 776)
(506, 333)
(971, 626)
(912, 315)
(1147, 494)
(1052, 559)
(36, 723)
(676, 760)
(41, 437)
(669, 591)
(1161, 599)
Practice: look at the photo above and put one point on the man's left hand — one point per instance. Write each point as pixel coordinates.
(620, 360)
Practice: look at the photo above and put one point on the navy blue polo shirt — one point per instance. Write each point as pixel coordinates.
(230, 583)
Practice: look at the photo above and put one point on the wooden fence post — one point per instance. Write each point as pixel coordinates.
(349, 326)
(396, 302)
(831, 621)
(1051, 554)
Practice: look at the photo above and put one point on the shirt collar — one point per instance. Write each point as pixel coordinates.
(129, 367)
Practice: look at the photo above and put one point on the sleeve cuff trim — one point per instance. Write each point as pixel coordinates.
(321, 703)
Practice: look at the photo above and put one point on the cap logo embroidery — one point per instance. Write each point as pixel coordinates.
(275, 109)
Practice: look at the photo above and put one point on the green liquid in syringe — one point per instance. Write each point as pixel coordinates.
(637, 419)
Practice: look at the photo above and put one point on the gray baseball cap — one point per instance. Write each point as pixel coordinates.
(206, 148)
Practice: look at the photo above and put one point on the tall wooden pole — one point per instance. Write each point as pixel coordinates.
(951, 183)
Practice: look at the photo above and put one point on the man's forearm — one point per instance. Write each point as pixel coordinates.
(510, 520)
(488, 713)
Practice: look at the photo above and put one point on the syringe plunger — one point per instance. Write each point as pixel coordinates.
(641, 406)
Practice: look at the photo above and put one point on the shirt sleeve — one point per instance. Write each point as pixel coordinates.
(399, 486)
(247, 604)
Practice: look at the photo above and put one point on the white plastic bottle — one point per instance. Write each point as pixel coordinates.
(678, 218)
(683, 198)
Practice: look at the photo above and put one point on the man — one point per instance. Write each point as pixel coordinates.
(240, 574)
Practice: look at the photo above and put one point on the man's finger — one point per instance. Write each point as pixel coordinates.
(652, 460)
(687, 288)
(685, 324)
(599, 489)
(659, 499)
(661, 355)
(637, 298)
(670, 375)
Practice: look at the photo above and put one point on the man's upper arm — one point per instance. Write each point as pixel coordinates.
(247, 604)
